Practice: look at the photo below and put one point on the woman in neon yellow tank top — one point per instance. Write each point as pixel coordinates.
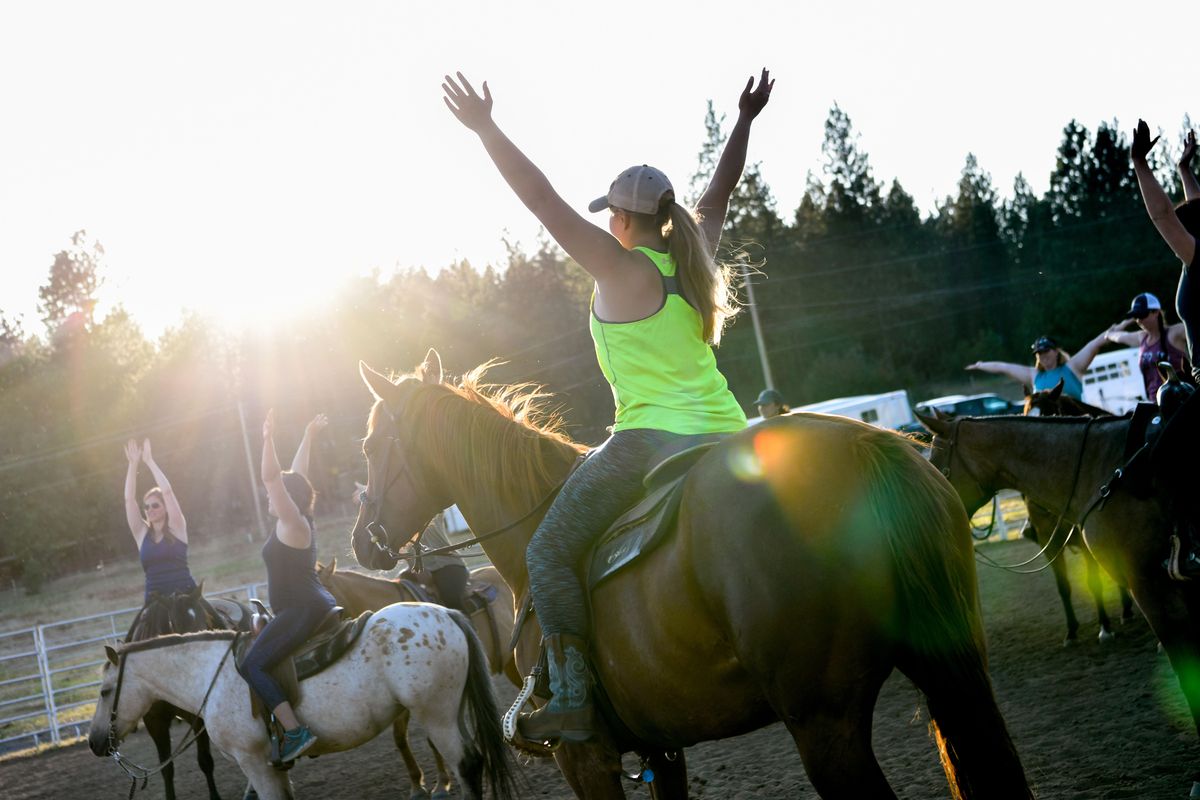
(659, 303)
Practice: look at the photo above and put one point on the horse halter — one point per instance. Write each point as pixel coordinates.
(375, 529)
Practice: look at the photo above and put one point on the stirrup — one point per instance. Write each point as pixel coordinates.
(508, 724)
(1173, 560)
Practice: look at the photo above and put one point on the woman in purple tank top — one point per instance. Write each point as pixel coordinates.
(161, 536)
(1156, 341)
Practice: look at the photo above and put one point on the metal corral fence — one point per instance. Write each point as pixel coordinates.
(1004, 517)
(48, 674)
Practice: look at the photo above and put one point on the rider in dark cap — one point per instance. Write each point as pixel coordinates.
(770, 404)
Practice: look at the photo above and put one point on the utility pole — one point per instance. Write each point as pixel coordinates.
(768, 379)
(258, 509)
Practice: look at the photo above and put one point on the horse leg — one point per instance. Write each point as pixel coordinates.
(158, 725)
(442, 792)
(1097, 590)
(1059, 567)
(593, 769)
(670, 775)
(204, 757)
(415, 776)
(1126, 603)
(267, 782)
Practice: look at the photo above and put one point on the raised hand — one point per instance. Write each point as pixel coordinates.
(1142, 143)
(269, 424)
(132, 452)
(147, 456)
(317, 424)
(753, 100)
(1189, 150)
(471, 110)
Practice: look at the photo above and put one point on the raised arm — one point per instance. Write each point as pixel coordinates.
(1080, 362)
(1158, 205)
(300, 461)
(1117, 334)
(1191, 187)
(1018, 372)
(714, 203)
(175, 517)
(133, 512)
(292, 528)
(593, 248)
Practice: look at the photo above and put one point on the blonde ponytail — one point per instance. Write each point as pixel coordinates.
(706, 283)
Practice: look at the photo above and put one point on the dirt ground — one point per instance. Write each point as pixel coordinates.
(1092, 722)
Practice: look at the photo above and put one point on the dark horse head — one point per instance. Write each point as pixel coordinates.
(401, 498)
(1053, 403)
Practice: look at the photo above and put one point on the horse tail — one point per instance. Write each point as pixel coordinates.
(938, 625)
(486, 756)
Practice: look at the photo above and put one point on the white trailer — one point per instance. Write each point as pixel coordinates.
(888, 410)
(1114, 381)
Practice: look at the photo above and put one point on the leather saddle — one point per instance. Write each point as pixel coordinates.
(646, 524)
(329, 642)
(478, 596)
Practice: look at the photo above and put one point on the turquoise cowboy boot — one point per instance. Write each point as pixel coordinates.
(569, 716)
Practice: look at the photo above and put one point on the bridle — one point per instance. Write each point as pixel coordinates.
(952, 442)
(132, 768)
(378, 532)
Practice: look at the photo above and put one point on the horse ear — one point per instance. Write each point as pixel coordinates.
(934, 423)
(1057, 390)
(431, 368)
(1025, 390)
(333, 564)
(380, 386)
(111, 654)
(198, 591)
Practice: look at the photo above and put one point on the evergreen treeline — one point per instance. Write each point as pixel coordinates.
(858, 293)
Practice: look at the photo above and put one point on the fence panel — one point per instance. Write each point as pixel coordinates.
(48, 674)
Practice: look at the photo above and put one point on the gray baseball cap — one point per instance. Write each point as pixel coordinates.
(637, 189)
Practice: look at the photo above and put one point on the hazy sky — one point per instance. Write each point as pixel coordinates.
(242, 158)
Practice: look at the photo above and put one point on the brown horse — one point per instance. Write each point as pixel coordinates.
(1044, 525)
(1062, 464)
(356, 593)
(805, 517)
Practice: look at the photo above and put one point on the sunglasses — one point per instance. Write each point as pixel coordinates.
(152, 506)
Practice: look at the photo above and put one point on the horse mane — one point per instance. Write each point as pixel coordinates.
(169, 639)
(510, 426)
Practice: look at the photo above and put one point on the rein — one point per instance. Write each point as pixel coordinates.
(984, 557)
(474, 540)
(132, 768)
(379, 534)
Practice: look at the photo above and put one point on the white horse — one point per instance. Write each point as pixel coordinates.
(411, 656)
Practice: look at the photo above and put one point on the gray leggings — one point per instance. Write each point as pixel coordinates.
(604, 486)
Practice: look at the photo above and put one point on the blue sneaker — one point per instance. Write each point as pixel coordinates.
(295, 743)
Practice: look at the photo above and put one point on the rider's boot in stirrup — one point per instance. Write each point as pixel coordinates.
(569, 715)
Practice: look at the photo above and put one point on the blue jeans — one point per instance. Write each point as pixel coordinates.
(289, 629)
(603, 487)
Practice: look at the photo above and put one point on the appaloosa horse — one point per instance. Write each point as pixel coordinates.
(1068, 464)
(356, 593)
(414, 658)
(811, 557)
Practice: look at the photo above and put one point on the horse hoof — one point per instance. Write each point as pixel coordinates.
(1106, 636)
(1070, 641)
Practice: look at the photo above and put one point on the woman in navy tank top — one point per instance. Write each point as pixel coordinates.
(161, 537)
(298, 599)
